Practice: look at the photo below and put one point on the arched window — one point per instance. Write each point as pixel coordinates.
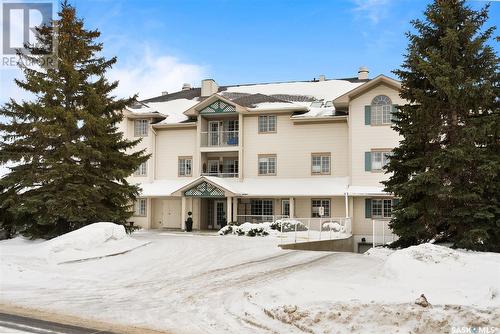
(381, 110)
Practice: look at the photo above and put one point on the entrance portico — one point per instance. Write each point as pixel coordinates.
(216, 204)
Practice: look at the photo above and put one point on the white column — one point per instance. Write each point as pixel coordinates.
(149, 211)
(346, 199)
(292, 207)
(183, 212)
(240, 146)
(235, 209)
(229, 209)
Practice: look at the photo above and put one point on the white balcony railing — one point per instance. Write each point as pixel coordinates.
(220, 174)
(219, 138)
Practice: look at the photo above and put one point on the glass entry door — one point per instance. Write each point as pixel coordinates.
(220, 213)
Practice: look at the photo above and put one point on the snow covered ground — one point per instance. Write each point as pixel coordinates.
(185, 283)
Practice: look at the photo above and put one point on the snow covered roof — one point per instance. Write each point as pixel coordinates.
(366, 191)
(285, 187)
(308, 99)
(160, 188)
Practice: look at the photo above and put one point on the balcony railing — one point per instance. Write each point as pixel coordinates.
(220, 174)
(219, 139)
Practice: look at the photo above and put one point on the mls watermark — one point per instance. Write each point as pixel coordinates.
(474, 330)
(19, 24)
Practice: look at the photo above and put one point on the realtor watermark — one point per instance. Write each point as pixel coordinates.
(474, 330)
(20, 20)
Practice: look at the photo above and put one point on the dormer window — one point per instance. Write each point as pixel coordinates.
(141, 127)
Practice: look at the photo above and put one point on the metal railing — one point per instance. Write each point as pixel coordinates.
(220, 174)
(219, 138)
(257, 219)
(294, 230)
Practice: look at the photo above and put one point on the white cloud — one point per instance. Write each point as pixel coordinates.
(8, 88)
(149, 74)
(374, 10)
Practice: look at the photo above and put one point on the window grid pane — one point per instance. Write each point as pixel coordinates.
(267, 165)
(141, 127)
(316, 204)
(185, 167)
(377, 208)
(381, 110)
(260, 207)
(263, 124)
(316, 164)
(325, 165)
(141, 170)
(140, 207)
(387, 208)
(271, 126)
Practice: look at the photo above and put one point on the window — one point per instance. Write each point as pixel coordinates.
(142, 170)
(381, 110)
(141, 127)
(267, 123)
(261, 207)
(380, 159)
(285, 207)
(267, 164)
(140, 207)
(320, 163)
(185, 166)
(381, 208)
(316, 204)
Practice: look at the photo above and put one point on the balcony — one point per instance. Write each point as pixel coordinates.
(226, 175)
(219, 139)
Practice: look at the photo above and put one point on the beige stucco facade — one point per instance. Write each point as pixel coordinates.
(345, 139)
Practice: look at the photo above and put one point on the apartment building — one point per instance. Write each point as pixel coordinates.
(258, 151)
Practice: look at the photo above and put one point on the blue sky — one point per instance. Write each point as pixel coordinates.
(161, 44)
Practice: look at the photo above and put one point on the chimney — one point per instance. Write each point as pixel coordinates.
(322, 77)
(186, 86)
(164, 93)
(363, 73)
(208, 87)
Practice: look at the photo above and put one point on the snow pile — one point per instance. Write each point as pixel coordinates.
(475, 275)
(288, 225)
(248, 229)
(91, 241)
(333, 226)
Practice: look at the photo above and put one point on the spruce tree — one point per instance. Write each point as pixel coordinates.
(446, 169)
(71, 162)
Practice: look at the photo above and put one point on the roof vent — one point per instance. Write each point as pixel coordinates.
(208, 87)
(164, 93)
(363, 73)
(186, 86)
(322, 77)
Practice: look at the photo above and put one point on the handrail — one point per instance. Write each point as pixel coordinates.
(219, 138)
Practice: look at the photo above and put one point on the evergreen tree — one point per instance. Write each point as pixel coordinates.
(446, 169)
(70, 159)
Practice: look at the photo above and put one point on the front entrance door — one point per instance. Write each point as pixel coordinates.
(220, 213)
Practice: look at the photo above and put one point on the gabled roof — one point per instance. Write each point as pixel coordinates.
(344, 99)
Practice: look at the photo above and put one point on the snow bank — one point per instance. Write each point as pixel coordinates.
(89, 242)
(475, 275)
(86, 238)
